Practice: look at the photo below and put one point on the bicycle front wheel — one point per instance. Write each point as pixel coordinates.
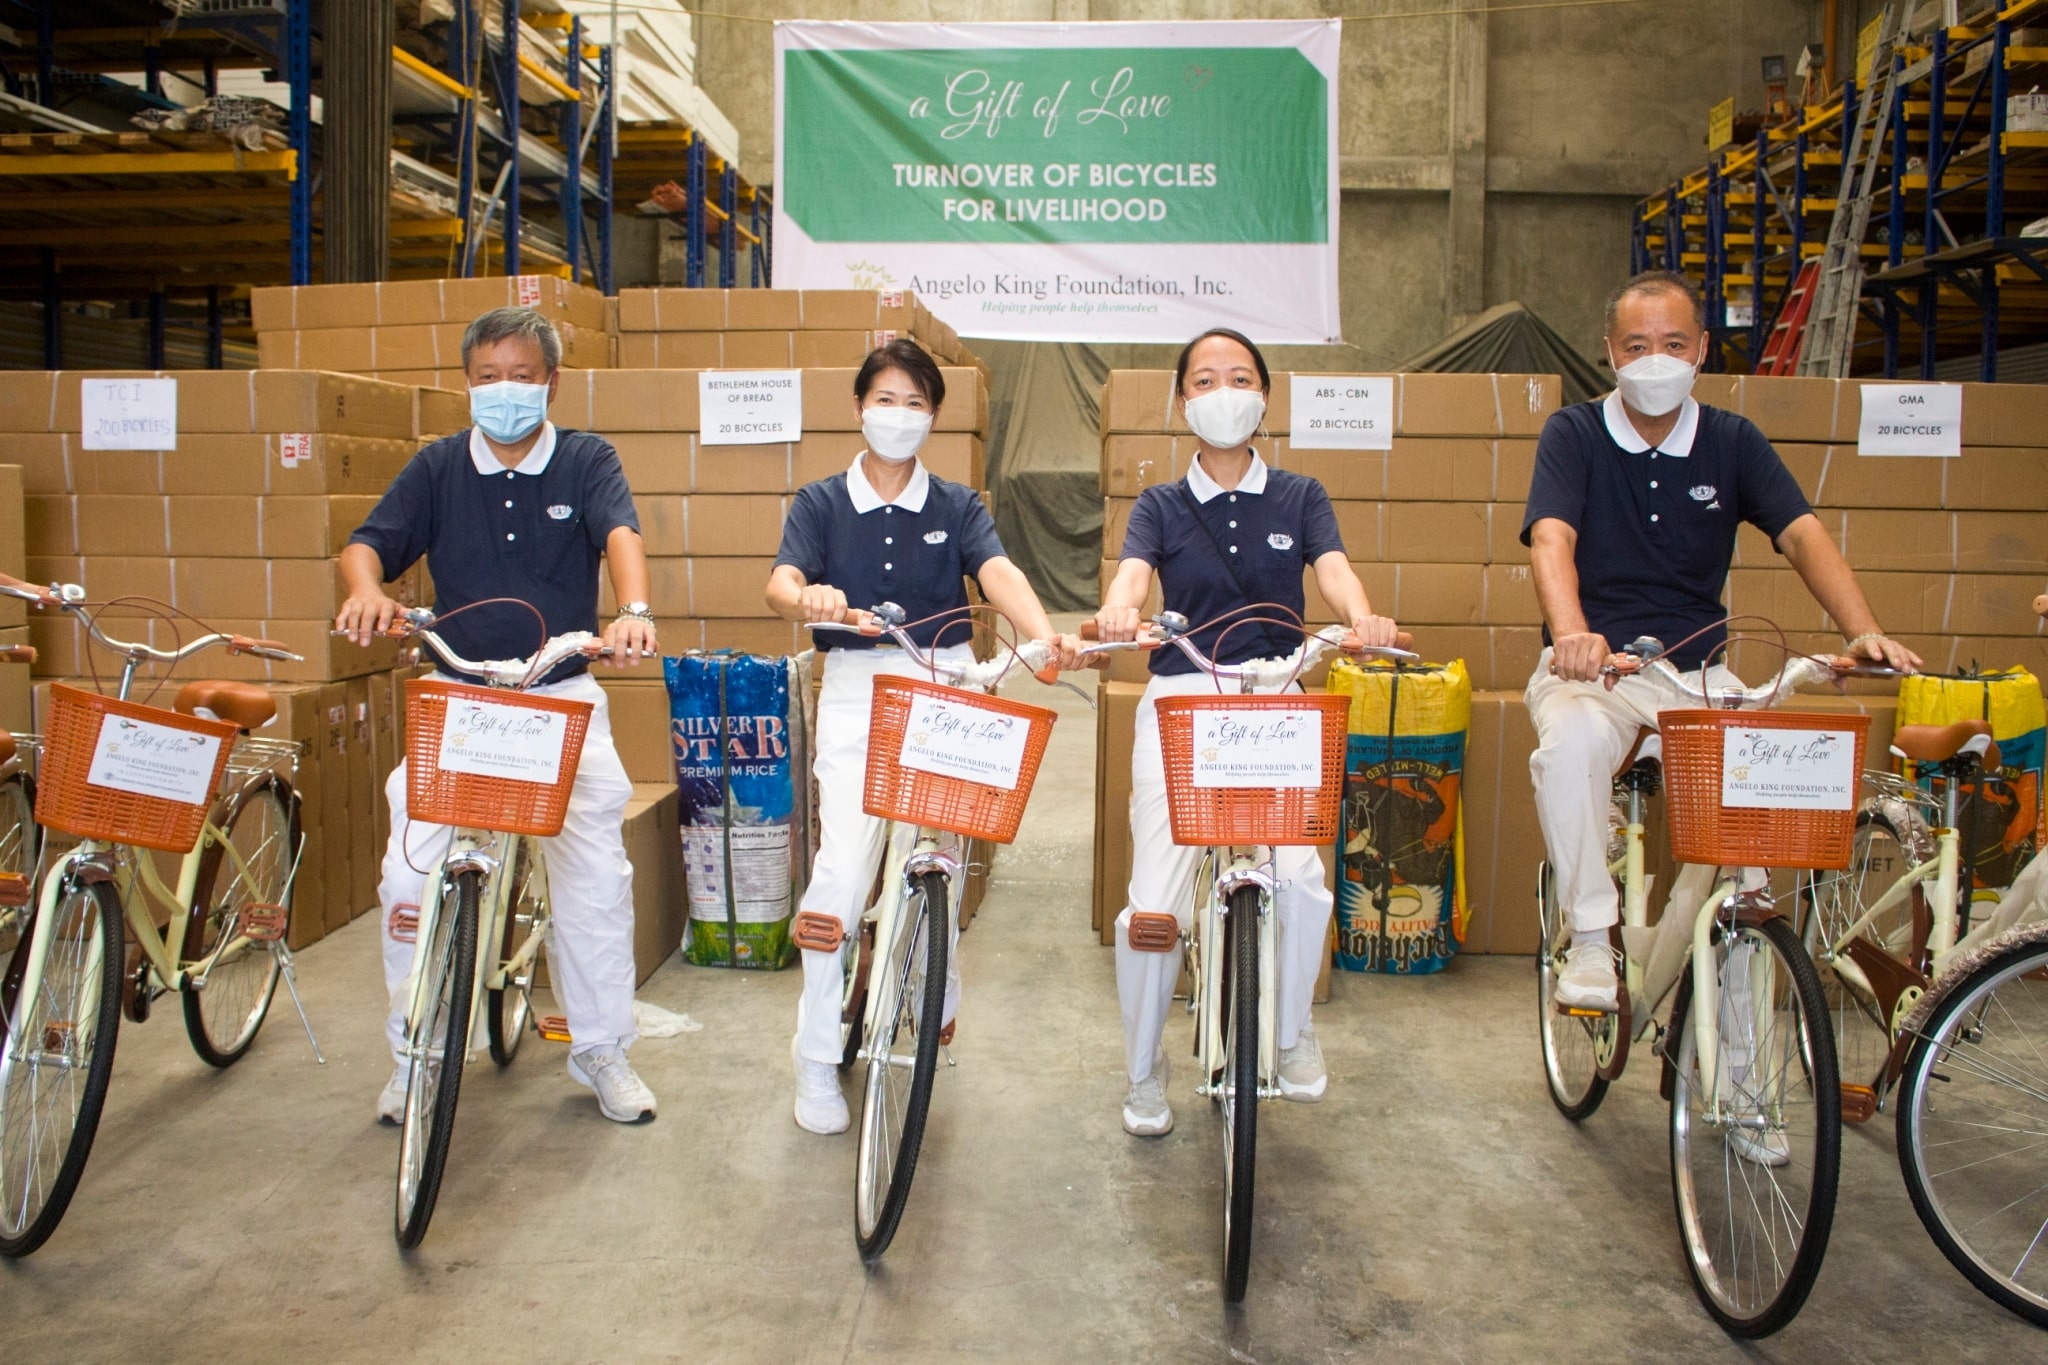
(58, 1058)
(903, 1058)
(1573, 1044)
(1754, 1157)
(436, 1039)
(248, 869)
(1973, 1109)
(1240, 1089)
(508, 1009)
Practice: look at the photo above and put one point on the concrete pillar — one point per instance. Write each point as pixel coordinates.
(1465, 261)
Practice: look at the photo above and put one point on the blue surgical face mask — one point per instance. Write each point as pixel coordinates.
(507, 411)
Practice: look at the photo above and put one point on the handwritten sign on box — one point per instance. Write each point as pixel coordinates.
(129, 414)
(1788, 769)
(951, 739)
(147, 759)
(1258, 748)
(502, 739)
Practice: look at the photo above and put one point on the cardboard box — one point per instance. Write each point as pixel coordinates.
(1443, 533)
(671, 350)
(1851, 480)
(708, 310)
(828, 400)
(866, 309)
(43, 458)
(105, 577)
(439, 408)
(654, 847)
(1116, 721)
(227, 401)
(1457, 469)
(423, 301)
(1797, 407)
(734, 524)
(1514, 466)
(17, 709)
(1435, 594)
(767, 635)
(638, 706)
(13, 542)
(1140, 401)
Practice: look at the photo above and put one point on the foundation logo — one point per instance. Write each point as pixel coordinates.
(935, 537)
(561, 511)
(1279, 540)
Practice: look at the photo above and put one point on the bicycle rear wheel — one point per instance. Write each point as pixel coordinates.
(1754, 1162)
(56, 1059)
(437, 1039)
(1573, 1045)
(21, 844)
(1240, 1089)
(1838, 899)
(903, 1058)
(507, 1010)
(1973, 1105)
(222, 1017)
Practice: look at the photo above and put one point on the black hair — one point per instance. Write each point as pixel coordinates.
(905, 355)
(1657, 282)
(1180, 367)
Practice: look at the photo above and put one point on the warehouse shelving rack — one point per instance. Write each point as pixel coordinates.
(1742, 225)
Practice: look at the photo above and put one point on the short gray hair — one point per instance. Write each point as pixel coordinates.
(502, 324)
(1649, 282)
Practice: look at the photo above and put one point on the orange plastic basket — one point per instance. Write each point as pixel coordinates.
(504, 805)
(66, 801)
(913, 796)
(1705, 832)
(1208, 816)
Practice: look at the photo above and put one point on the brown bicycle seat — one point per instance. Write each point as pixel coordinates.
(239, 703)
(6, 745)
(1645, 735)
(1939, 743)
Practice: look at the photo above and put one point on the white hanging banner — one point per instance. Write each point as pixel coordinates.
(955, 739)
(128, 414)
(1100, 182)
(1258, 748)
(1342, 412)
(501, 739)
(1788, 769)
(147, 759)
(750, 407)
(1911, 419)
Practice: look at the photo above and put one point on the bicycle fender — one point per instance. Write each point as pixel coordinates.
(2019, 936)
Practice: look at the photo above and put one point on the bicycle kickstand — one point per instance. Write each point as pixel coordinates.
(284, 961)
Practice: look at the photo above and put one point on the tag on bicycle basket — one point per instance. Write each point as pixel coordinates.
(502, 739)
(146, 759)
(1247, 748)
(951, 739)
(1788, 769)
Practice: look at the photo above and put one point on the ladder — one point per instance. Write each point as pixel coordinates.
(1781, 351)
(1831, 320)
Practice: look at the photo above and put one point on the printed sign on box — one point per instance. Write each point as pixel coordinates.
(750, 407)
(1342, 412)
(496, 739)
(1911, 419)
(952, 739)
(129, 414)
(1259, 749)
(147, 759)
(1788, 769)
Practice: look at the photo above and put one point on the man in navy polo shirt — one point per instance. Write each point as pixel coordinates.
(1631, 527)
(515, 508)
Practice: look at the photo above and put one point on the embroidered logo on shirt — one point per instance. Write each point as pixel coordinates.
(1279, 540)
(935, 537)
(561, 512)
(1702, 492)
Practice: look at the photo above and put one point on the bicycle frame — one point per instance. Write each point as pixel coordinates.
(924, 851)
(1226, 870)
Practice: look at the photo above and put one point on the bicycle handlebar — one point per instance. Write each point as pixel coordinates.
(886, 619)
(1800, 671)
(417, 624)
(71, 597)
(1170, 628)
(18, 654)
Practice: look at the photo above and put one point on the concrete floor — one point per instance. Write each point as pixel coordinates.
(1434, 1207)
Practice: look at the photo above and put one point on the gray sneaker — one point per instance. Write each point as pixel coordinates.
(1146, 1112)
(391, 1100)
(1302, 1077)
(621, 1096)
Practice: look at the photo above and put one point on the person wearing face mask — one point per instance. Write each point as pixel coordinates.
(1232, 534)
(515, 507)
(1630, 525)
(886, 530)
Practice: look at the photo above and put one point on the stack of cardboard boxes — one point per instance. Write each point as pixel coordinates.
(410, 331)
(14, 691)
(773, 329)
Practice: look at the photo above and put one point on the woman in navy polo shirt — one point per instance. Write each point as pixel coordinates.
(1234, 533)
(886, 530)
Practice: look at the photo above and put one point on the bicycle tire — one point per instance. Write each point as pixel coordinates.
(223, 1017)
(1811, 1165)
(916, 997)
(431, 1091)
(1240, 1115)
(1570, 1043)
(853, 991)
(508, 1010)
(85, 913)
(1968, 1030)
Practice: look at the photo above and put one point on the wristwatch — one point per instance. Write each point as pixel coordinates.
(639, 611)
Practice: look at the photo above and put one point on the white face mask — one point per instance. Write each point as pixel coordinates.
(1655, 384)
(1226, 417)
(895, 434)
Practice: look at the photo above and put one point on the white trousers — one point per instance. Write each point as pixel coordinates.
(849, 839)
(590, 890)
(1163, 879)
(1583, 732)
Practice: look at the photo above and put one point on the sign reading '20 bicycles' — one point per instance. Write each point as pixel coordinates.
(1097, 182)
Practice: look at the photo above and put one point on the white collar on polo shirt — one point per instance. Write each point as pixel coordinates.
(1678, 444)
(486, 460)
(866, 499)
(1205, 488)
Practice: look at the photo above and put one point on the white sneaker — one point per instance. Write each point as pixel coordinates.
(1766, 1148)
(1146, 1112)
(391, 1100)
(820, 1108)
(1303, 1078)
(1588, 981)
(622, 1096)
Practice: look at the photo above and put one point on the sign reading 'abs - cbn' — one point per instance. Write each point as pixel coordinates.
(1078, 182)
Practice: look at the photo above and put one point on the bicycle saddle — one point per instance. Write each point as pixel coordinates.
(1939, 743)
(1649, 748)
(239, 703)
(6, 746)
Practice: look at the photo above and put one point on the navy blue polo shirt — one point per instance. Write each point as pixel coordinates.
(1656, 526)
(1270, 526)
(916, 551)
(535, 533)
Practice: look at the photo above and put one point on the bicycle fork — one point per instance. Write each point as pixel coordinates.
(1245, 870)
(925, 857)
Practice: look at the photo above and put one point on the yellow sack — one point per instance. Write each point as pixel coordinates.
(2003, 814)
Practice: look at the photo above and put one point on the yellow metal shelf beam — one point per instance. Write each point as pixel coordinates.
(153, 163)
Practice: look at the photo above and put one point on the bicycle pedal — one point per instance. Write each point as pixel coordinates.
(818, 932)
(1153, 931)
(263, 922)
(553, 1027)
(1583, 1012)
(404, 923)
(13, 890)
(1859, 1103)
